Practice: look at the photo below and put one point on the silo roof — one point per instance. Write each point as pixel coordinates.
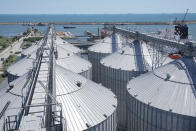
(64, 44)
(126, 59)
(32, 48)
(84, 102)
(14, 96)
(71, 61)
(105, 45)
(22, 66)
(170, 87)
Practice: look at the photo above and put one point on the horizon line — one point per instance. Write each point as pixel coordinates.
(92, 13)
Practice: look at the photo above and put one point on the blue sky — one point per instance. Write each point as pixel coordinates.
(95, 6)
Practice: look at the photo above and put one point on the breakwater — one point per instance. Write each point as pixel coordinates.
(95, 23)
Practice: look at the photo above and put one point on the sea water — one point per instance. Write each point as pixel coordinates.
(12, 30)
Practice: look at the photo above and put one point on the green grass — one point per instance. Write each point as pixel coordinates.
(28, 41)
(33, 39)
(37, 31)
(27, 31)
(7, 41)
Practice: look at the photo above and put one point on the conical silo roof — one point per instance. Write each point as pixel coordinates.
(100, 50)
(66, 45)
(22, 66)
(118, 68)
(105, 46)
(85, 104)
(171, 87)
(31, 49)
(132, 57)
(12, 98)
(126, 59)
(72, 62)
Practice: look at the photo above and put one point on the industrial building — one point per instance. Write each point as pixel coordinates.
(66, 45)
(86, 105)
(66, 58)
(164, 99)
(21, 67)
(118, 68)
(11, 99)
(60, 42)
(143, 92)
(76, 64)
(31, 49)
(101, 50)
(51, 97)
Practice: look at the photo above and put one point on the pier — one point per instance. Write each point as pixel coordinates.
(97, 23)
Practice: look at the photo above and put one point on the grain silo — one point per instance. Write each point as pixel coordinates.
(65, 59)
(86, 106)
(21, 67)
(118, 68)
(66, 45)
(11, 99)
(73, 62)
(60, 42)
(100, 50)
(164, 99)
(31, 49)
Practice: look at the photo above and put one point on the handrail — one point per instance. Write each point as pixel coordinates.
(188, 48)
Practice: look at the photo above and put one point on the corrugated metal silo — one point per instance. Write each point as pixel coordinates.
(101, 50)
(60, 42)
(71, 62)
(74, 63)
(11, 99)
(21, 67)
(164, 99)
(31, 49)
(66, 45)
(86, 106)
(120, 67)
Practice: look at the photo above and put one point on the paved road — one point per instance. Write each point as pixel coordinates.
(11, 50)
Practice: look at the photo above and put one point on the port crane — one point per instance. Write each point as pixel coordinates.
(181, 28)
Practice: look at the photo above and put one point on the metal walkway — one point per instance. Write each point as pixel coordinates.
(40, 110)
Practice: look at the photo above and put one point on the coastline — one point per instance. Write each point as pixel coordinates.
(95, 23)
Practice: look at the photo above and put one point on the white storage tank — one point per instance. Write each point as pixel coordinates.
(74, 63)
(11, 99)
(86, 106)
(60, 42)
(65, 59)
(31, 49)
(101, 50)
(118, 68)
(164, 99)
(21, 67)
(66, 45)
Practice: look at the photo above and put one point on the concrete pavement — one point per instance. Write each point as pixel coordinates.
(15, 47)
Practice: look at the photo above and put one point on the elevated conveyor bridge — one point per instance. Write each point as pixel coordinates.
(188, 48)
(40, 111)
